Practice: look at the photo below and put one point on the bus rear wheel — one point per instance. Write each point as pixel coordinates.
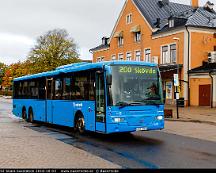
(80, 124)
(24, 115)
(31, 117)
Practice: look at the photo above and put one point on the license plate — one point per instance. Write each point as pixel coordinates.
(141, 129)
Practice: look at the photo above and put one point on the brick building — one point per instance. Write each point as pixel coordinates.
(175, 36)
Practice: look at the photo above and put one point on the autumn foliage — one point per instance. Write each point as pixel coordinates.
(53, 49)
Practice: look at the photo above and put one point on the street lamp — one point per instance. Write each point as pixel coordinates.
(176, 78)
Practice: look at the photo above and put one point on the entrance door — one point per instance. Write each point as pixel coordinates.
(100, 103)
(204, 95)
(49, 97)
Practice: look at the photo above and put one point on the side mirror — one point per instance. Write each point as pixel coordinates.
(109, 79)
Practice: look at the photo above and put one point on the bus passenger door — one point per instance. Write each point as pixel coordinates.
(49, 97)
(100, 103)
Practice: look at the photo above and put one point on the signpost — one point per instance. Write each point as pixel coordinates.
(176, 77)
(176, 84)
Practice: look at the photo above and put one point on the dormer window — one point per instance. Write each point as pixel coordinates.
(129, 18)
(119, 36)
(120, 41)
(136, 30)
(137, 36)
(171, 23)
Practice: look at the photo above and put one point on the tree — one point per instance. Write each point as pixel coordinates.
(53, 49)
(2, 72)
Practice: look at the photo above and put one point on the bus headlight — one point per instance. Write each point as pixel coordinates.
(159, 117)
(118, 120)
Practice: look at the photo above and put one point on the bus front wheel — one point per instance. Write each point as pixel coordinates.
(80, 124)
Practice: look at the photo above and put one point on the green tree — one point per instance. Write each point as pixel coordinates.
(53, 49)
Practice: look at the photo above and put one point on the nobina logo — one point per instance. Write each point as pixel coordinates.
(77, 104)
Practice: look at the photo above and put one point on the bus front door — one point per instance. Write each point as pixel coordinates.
(100, 103)
(49, 97)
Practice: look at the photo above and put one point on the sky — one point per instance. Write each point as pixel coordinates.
(87, 21)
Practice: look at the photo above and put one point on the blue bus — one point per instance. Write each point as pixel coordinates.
(104, 97)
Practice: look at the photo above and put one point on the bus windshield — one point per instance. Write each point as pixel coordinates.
(135, 85)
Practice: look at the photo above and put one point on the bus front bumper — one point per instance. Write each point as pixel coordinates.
(124, 127)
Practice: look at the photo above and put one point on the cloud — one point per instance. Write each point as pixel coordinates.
(22, 21)
(14, 47)
(85, 54)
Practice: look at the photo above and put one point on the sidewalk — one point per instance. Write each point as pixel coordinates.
(193, 114)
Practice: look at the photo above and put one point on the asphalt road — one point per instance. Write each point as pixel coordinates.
(155, 149)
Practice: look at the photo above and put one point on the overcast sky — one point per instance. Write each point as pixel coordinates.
(87, 21)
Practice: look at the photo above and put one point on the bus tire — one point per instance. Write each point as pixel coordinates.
(30, 116)
(80, 124)
(24, 114)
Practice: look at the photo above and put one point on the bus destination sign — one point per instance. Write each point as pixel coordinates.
(137, 70)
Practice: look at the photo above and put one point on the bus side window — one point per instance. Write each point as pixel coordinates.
(41, 88)
(58, 89)
(92, 86)
(66, 89)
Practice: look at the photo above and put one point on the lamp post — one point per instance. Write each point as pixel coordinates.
(176, 78)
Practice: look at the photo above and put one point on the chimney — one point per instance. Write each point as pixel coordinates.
(195, 3)
(209, 6)
(162, 3)
(105, 40)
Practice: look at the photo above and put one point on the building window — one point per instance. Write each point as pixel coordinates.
(120, 41)
(171, 23)
(113, 57)
(137, 36)
(120, 57)
(148, 55)
(100, 59)
(129, 56)
(165, 55)
(173, 53)
(129, 18)
(137, 55)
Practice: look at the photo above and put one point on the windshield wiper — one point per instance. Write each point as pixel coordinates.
(136, 103)
(124, 104)
(150, 101)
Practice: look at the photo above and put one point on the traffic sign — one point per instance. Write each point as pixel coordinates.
(176, 80)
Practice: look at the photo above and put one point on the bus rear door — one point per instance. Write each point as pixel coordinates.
(49, 97)
(100, 103)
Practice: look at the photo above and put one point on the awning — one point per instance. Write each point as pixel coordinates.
(136, 28)
(169, 67)
(118, 34)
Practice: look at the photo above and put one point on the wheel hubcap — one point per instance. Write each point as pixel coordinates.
(80, 125)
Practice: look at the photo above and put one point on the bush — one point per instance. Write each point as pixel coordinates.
(6, 93)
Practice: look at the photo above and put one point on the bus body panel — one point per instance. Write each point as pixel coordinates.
(100, 127)
(38, 107)
(58, 112)
(87, 108)
(134, 118)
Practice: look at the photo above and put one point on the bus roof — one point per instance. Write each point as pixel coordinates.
(81, 67)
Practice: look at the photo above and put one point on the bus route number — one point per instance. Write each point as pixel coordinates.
(125, 69)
